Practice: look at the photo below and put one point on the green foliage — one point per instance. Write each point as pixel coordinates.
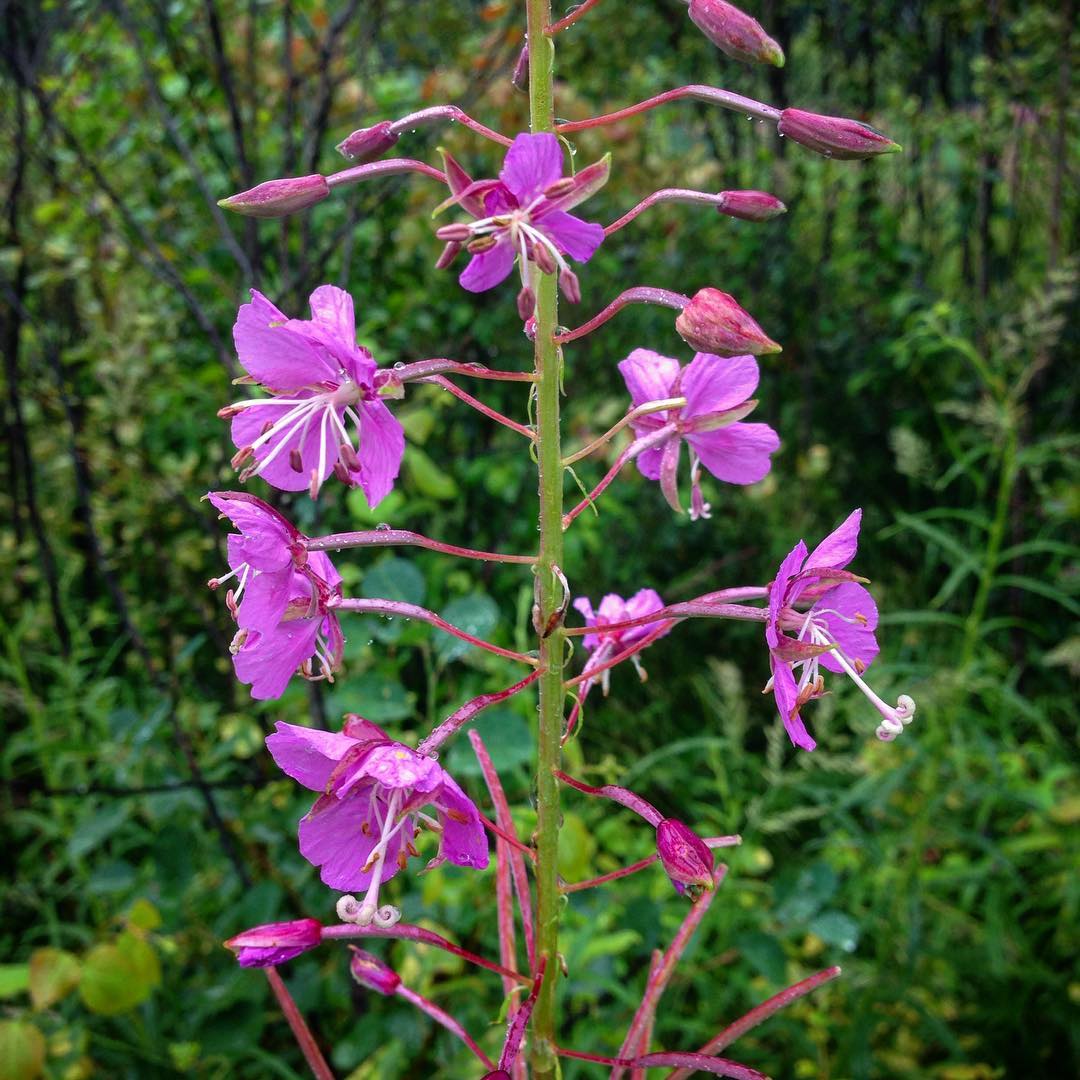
(927, 376)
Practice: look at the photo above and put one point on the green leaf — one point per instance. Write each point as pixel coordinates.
(118, 977)
(392, 579)
(577, 845)
(836, 929)
(506, 736)
(14, 979)
(476, 614)
(764, 953)
(427, 477)
(54, 973)
(96, 828)
(22, 1050)
(378, 697)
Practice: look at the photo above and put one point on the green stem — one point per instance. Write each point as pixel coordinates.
(549, 590)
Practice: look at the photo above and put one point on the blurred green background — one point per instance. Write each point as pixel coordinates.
(928, 375)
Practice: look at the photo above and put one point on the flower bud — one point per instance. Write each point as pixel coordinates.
(714, 323)
(750, 205)
(368, 143)
(571, 287)
(520, 79)
(526, 303)
(278, 198)
(274, 943)
(371, 972)
(735, 33)
(834, 136)
(686, 859)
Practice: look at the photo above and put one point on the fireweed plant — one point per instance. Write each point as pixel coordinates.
(325, 416)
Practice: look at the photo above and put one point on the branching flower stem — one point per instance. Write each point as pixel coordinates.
(629, 418)
(640, 294)
(310, 1048)
(684, 195)
(569, 20)
(479, 406)
(406, 538)
(390, 167)
(712, 94)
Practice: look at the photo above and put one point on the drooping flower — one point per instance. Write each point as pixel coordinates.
(735, 33)
(686, 858)
(368, 970)
(820, 616)
(281, 600)
(371, 790)
(604, 644)
(321, 384)
(717, 391)
(274, 943)
(523, 216)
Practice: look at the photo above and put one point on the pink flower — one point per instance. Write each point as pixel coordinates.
(360, 830)
(717, 392)
(685, 857)
(833, 627)
(714, 322)
(523, 216)
(321, 381)
(281, 601)
(605, 644)
(274, 943)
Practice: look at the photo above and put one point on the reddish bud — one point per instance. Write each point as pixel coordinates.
(368, 143)
(686, 859)
(371, 972)
(526, 303)
(447, 255)
(750, 205)
(714, 323)
(571, 287)
(734, 32)
(274, 943)
(834, 136)
(278, 198)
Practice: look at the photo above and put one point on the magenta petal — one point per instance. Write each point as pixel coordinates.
(488, 268)
(394, 765)
(648, 376)
(737, 454)
(574, 237)
(839, 547)
(270, 353)
(266, 536)
(649, 461)
(307, 438)
(267, 660)
(717, 383)
(333, 308)
(532, 163)
(852, 626)
(643, 602)
(786, 693)
(382, 445)
(464, 841)
(307, 754)
(266, 596)
(791, 565)
(331, 839)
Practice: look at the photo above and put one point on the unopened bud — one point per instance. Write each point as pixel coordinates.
(448, 255)
(368, 143)
(458, 232)
(274, 943)
(686, 859)
(543, 258)
(520, 79)
(526, 303)
(750, 205)
(834, 136)
(570, 286)
(714, 323)
(734, 32)
(278, 198)
(370, 971)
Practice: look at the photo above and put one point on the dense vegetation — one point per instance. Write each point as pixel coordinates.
(928, 375)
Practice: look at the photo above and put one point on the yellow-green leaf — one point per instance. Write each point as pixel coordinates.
(54, 973)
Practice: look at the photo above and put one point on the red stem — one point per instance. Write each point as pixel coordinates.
(623, 796)
(439, 365)
(712, 94)
(569, 20)
(618, 658)
(479, 406)
(405, 538)
(638, 1073)
(760, 1013)
(466, 712)
(426, 937)
(445, 1019)
(625, 871)
(714, 1065)
(389, 167)
(640, 294)
(664, 195)
(510, 839)
(517, 864)
(697, 608)
(401, 609)
(446, 112)
(312, 1054)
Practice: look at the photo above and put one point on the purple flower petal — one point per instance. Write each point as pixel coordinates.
(488, 268)
(266, 536)
(333, 308)
(464, 841)
(273, 355)
(393, 765)
(737, 454)
(648, 376)
(307, 438)
(308, 755)
(267, 595)
(852, 626)
(574, 237)
(643, 602)
(649, 461)
(382, 445)
(791, 565)
(532, 163)
(716, 383)
(786, 693)
(839, 547)
(268, 660)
